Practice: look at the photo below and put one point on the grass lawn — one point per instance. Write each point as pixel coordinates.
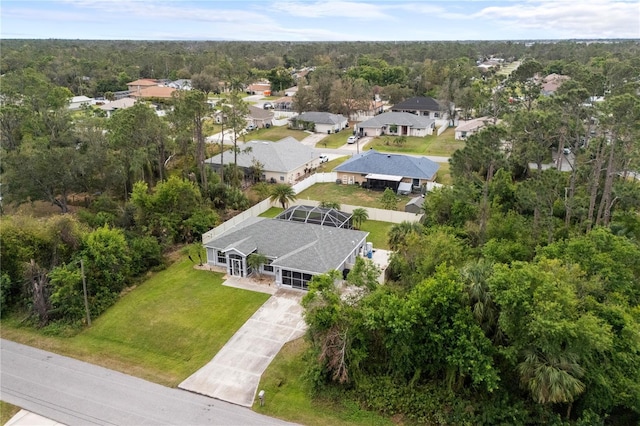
(330, 165)
(272, 212)
(287, 395)
(444, 174)
(443, 145)
(335, 140)
(274, 133)
(7, 411)
(378, 233)
(348, 194)
(161, 331)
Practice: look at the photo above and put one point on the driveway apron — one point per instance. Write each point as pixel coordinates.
(233, 375)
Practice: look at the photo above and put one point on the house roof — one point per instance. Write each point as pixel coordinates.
(474, 124)
(260, 113)
(154, 92)
(398, 118)
(123, 103)
(292, 245)
(417, 201)
(143, 82)
(283, 156)
(374, 162)
(419, 103)
(321, 117)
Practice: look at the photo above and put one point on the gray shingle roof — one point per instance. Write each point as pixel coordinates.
(321, 117)
(298, 246)
(400, 119)
(419, 103)
(372, 161)
(283, 156)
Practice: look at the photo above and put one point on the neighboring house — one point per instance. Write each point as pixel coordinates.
(396, 124)
(77, 102)
(113, 106)
(138, 85)
(158, 92)
(259, 117)
(283, 104)
(377, 170)
(285, 161)
(323, 122)
(415, 205)
(467, 128)
(295, 251)
(374, 108)
(552, 82)
(291, 91)
(181, 84)
(422, 106)
(261, 88)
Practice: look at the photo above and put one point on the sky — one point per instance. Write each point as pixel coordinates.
(328, 20)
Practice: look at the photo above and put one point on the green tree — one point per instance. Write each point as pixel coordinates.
(283, 194)
(389, 200)
(359, 216)
(256, 260)
(330, 205)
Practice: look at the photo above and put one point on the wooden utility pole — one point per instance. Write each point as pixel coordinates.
(84, 288)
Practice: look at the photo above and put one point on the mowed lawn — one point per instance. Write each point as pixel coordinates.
(162, 331)
(444, 145)
(274, 133)
(349, 194)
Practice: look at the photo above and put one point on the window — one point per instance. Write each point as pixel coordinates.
(436, 114)
(222, 258)
(267, 266)
(296, 279)
(281, 178)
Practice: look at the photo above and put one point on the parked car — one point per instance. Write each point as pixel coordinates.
(267, 105)
(324, 158)
(566, 151)
(251, 127)
(352, 139)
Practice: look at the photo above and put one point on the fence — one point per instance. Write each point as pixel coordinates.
(380, 215)
(441, 129)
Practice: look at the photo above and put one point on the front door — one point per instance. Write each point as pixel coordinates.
(236, 265)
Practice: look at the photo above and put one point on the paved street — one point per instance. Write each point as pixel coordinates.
(73, 392)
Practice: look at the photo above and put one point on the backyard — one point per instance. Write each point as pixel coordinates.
(444, 145)
(349, 194)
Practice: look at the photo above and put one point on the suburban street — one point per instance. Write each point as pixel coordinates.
(73, 392)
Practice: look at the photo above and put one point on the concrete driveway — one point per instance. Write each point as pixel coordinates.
(233, 375)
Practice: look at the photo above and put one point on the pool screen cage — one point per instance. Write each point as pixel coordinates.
(317, 215)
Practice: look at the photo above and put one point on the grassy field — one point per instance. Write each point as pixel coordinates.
(444, 174)
(378, 233)
(161, 331)
(335, 140)
(7, 411)
(287, 395)
(348, 194)
(443, 145)
(330, 165)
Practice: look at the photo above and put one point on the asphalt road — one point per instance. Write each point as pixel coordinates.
(77, 393)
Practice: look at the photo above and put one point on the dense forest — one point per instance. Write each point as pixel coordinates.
(516, 300)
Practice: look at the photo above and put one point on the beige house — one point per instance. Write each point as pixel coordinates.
(467, 128)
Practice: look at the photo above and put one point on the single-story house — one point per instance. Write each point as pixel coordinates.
(374, 108)
(323, 122)
(143, 83)
(291, 91)
(182, 84)
(259, 117)
(260, 88)
(283, 104)
(295, 251)
(77, 102)
(285, 161)
(414, 205)
(423, 106)
(377, 170)
(467, 128)
(552, 82)
(113, 106)
(153, 92)
(396, 124)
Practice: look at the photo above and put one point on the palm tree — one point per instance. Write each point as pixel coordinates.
(256, 260)
(399, 232)
(358, 216)
(282, 193)
(330, 205)
(475, 275)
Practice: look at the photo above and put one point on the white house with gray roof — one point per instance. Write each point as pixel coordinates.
(323, 122)
(295, 251)
(285, 161)
(397, 124)
(377, 170)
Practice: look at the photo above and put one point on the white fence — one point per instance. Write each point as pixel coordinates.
(374, 213)
(441, 129)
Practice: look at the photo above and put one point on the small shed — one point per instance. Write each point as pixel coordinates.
(415, 205)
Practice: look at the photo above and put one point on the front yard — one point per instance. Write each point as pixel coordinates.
(274, 133)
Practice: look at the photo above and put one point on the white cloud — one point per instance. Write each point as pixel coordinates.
(338, 9)
(587, 19)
